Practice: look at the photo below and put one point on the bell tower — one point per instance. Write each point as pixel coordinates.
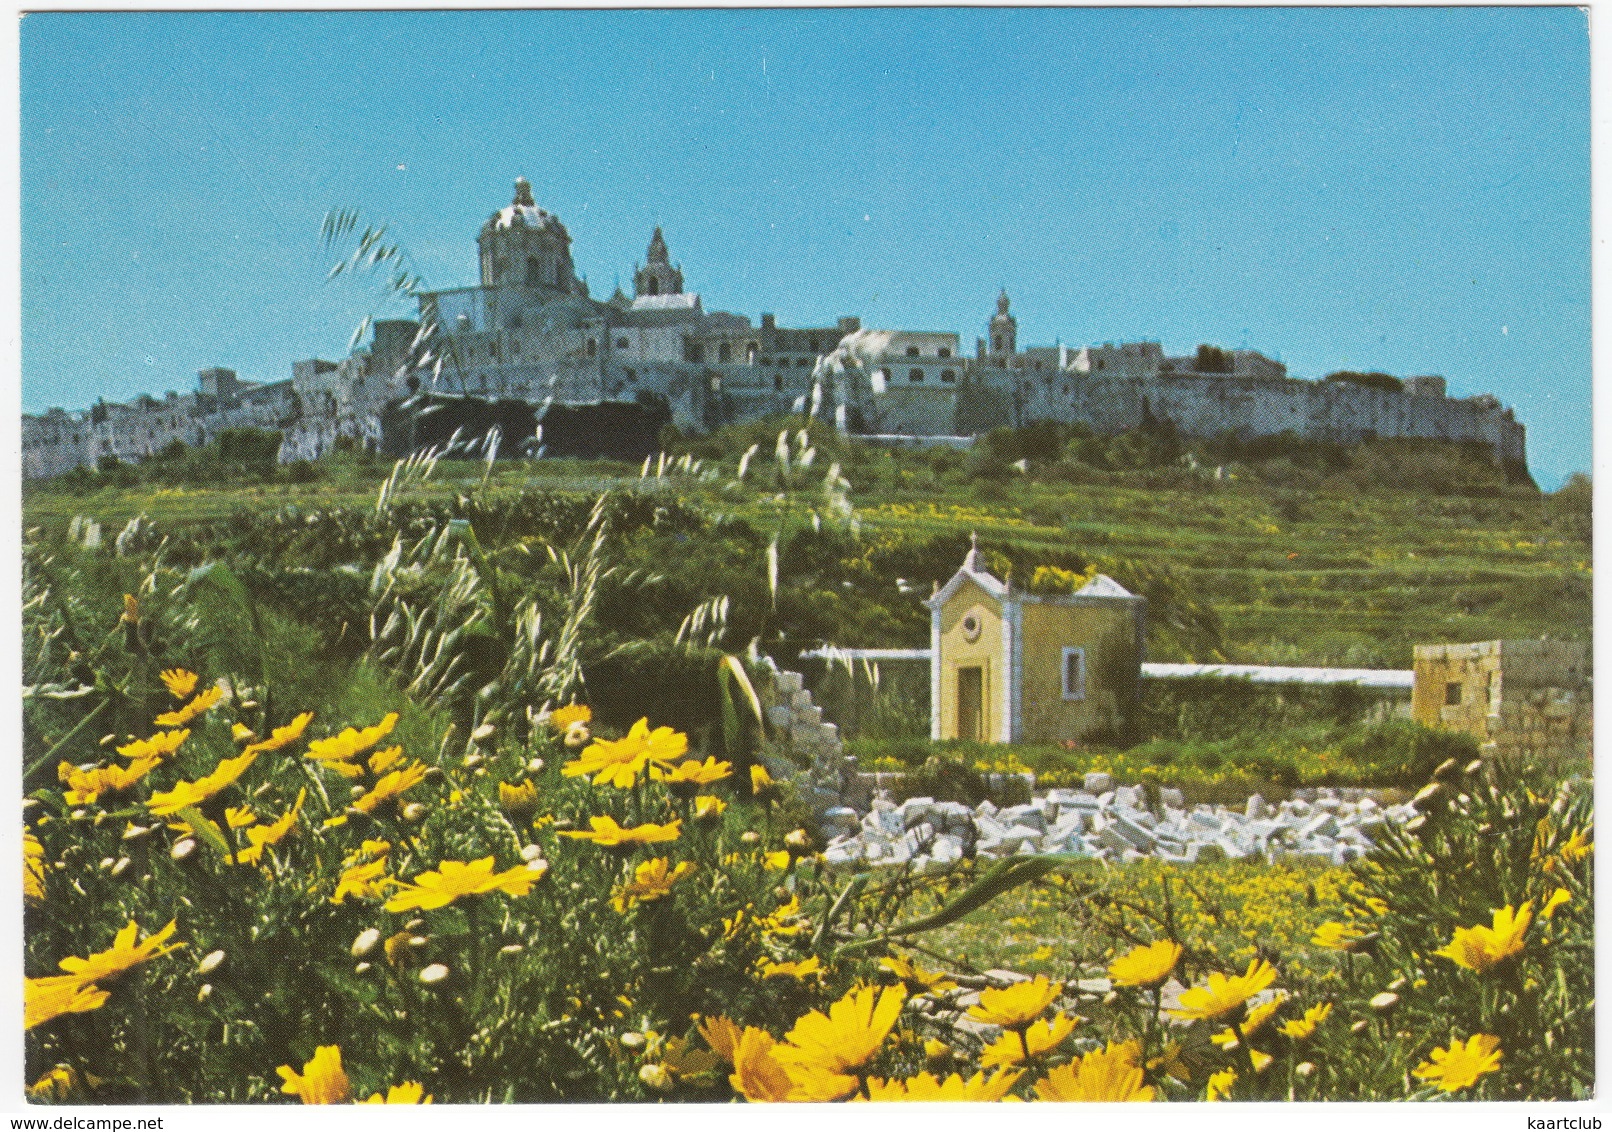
(1004, 331)
(658, 276)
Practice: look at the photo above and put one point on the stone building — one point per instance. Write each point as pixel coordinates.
(530, 331)
(1014, 667)
(1531, 699)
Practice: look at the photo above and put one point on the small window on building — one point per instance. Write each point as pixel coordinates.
(621, 343)
(948, 375)
(945, 351)
(593, 348)
(915, 375)
(912, 351)
(766, 361)
(812, 345)
(802, 362)
(1101, 363)
(724, 353)
(1452, 693)
(777, 381)
(1074, 674)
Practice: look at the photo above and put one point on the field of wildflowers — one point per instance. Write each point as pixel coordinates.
(260, 869)
(225, 909)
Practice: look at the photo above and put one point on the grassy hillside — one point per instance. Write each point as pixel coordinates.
(1312, 554)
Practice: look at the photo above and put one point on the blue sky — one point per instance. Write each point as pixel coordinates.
(1393, 189)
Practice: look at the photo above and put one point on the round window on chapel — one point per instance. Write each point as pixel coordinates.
(971, 627)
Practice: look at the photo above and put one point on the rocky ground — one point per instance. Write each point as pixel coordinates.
(1110, 822)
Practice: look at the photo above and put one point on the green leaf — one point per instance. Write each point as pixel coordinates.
(206, 830)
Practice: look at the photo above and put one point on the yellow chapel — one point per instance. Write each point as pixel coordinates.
(1013, 667)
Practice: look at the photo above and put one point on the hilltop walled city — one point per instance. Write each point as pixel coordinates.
(529, 335)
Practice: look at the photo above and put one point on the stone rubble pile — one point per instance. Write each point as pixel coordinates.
(1110, 822)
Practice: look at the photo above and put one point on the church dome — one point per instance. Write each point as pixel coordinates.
(523, 212)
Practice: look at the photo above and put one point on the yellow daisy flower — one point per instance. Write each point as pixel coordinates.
(757, 1075)
(322, 1080)
(366, 881)
(1222, 995)
(608, 834)
(1462, 1063)
(1480, 948)
(383, 759)
(1301, 1028)
(282, 736)
(786, 920)
(262, 836)
(55, 995)
(806, 968)
(652, 879)
(561, 718)
(517, 798)
(1014, 1006)
(928, 1087)
(690, 775)
(850, 1033)
(85, 787)
(721, 1034)
(61, 1083)
(1145, 966)
(620, 762)
(916, 979)
(1219, 1086)
(351, 741)
(180, 682)
(160, 745)
(1041, 1036)
(409, 1092)
(33, 868)
(708, 806)
(165, 802)
(1111, 1074)
(453, 879)
(391, 786)
(123, 955)
(205, 700)
(1335, 936)
(1257, 1016)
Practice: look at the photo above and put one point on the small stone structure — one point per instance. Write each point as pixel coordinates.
(1528, 701)
(804, 748)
